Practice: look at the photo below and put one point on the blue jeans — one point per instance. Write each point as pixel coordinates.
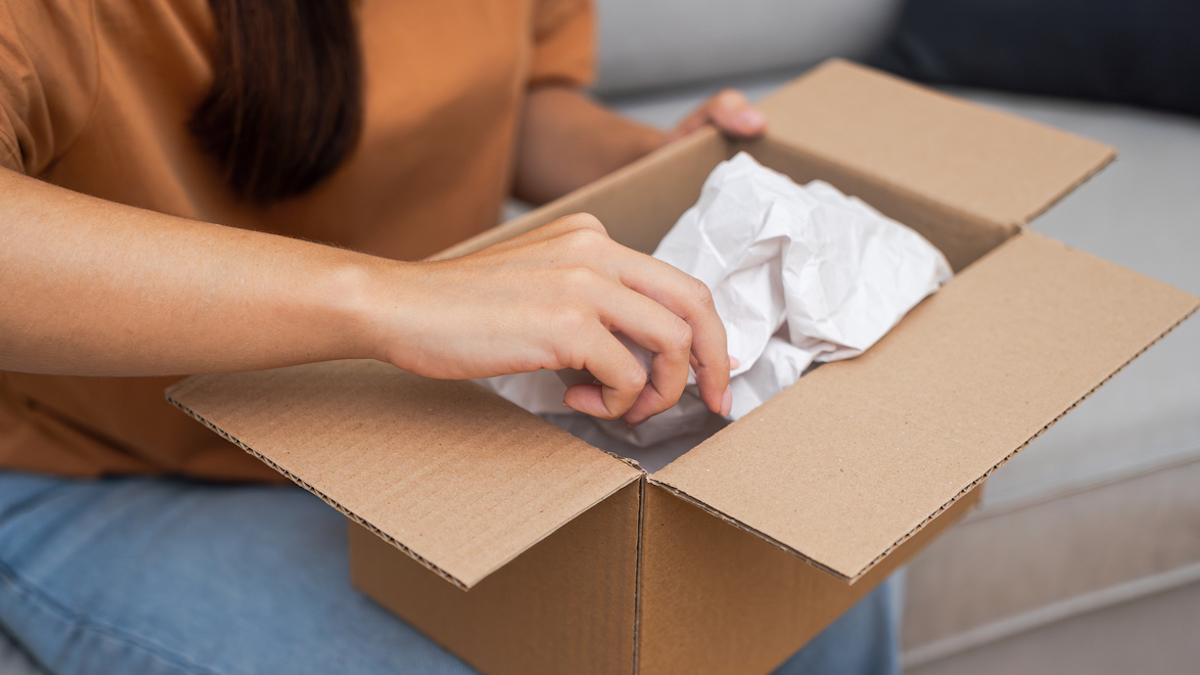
(144, 575)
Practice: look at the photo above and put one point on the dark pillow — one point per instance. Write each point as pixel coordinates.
(1145, 52)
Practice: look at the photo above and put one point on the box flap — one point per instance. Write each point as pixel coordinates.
(455, 476)
(859, 455)
(637, 203)
(983, 163)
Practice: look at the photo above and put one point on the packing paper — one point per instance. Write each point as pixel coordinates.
(800, 275)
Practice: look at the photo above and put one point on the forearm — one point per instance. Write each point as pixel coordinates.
(96, 288)
(567, 141)
(88, 287)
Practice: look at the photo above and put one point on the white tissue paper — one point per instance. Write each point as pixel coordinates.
(799, 275)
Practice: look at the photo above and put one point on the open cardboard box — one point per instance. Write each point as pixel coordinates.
(525, 550)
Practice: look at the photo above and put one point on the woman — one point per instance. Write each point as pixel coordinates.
(128, 130)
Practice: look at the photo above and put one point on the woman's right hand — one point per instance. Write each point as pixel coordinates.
(96, 288)
(552, 298)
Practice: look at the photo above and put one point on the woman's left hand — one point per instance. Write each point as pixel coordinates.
(728, 111)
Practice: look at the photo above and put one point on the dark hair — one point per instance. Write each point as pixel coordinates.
(286, 101)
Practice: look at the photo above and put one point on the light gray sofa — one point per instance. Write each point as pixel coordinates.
(1085, 555)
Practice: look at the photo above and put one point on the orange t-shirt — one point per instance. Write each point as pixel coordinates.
(95, 94)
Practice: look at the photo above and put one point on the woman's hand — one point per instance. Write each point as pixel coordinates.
(552, 298)
(99, 288)
(728, 111)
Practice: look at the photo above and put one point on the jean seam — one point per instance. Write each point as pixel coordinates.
(60, 611)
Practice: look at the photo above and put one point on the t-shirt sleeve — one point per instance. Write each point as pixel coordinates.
(564, 43)
(48, 79)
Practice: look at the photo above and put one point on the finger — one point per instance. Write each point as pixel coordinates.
(680, 293)
(689, 299)
(733, 114)
(620, 375)
(654, 328)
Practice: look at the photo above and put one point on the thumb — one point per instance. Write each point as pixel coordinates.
(733, 114)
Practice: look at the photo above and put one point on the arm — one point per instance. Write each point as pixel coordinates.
(568, 140)
(96, 288)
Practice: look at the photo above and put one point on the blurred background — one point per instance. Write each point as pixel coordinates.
(1085, 554)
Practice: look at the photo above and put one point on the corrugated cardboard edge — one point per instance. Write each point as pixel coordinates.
(637, 575)
(375, 530)
(907, 193)
(564, 205)
(930, 518)
(631, 462)
(874, 176)
(1083, 178)
(893, 190)
(892, 187)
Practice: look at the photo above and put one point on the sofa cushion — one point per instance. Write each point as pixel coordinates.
(654, 43)
(1141, 212)
(1145, 52)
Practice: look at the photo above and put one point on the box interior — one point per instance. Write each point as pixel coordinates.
(639, 213)
(672, 192)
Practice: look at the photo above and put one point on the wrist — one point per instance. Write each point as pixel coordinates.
(359, 301)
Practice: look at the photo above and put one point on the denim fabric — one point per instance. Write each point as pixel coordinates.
(148, 576)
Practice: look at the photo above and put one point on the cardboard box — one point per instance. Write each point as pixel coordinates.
(525, 550)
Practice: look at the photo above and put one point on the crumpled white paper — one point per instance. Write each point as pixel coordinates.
(799, 275)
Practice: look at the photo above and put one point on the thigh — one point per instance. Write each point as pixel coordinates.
(864, 641)
(158, 576)
(162, 576)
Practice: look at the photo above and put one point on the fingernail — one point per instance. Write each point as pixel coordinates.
(734, 364)
(750, 119)
(727, 401)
